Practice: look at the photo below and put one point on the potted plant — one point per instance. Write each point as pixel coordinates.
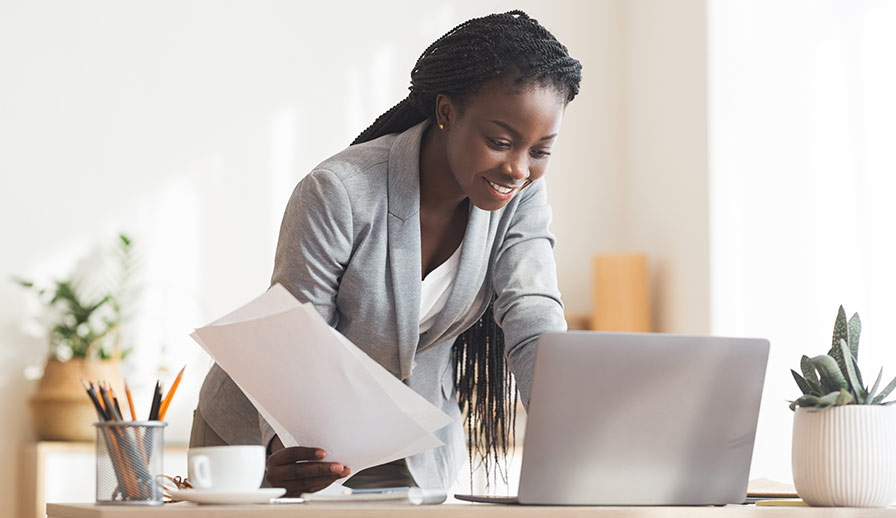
(844, 453)
(85, 342)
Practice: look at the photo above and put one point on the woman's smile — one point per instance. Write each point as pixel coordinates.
(498, 140)
(501, 192)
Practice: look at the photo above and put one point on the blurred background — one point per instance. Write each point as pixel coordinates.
(745, 148)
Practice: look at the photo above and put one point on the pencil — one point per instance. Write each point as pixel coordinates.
(156, 401)
(106, 399)
(110, 409)
(114, 439)
(96, 402)
(115, 401)
(167, 401)
(127, 391)
(95, 387)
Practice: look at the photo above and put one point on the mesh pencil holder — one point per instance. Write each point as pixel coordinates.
(129, 462)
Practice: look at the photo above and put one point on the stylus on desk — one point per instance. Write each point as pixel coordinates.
(287, 500)
(350, 491)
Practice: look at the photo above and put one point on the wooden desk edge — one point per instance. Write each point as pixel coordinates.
(450, 510)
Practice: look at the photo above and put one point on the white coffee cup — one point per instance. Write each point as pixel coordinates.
(226, 468)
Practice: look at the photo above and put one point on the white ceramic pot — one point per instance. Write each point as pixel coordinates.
(845, 456)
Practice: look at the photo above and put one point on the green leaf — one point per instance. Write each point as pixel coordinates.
(840, 336)
(22, 282)
(851, 370)
(802, 383)
(841, 331)
(855, 329)
(841, 397)
(810, 376)
(96, 306)
(844, 398)
(884, 393)
(831, 378)
(876, 384)
(806, 401)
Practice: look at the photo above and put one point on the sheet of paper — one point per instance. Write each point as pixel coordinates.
(315, 387)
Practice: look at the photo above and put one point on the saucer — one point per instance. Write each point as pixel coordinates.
(261, 495)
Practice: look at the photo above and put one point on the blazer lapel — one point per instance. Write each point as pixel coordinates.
(404, 242)
(471, 273)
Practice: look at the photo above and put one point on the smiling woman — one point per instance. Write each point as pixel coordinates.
(494, 145)
(426, 243)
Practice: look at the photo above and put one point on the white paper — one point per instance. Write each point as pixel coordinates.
(315, 387)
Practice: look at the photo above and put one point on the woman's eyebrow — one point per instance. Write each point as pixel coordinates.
(516, 133)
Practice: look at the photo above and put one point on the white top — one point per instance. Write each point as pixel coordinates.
(434, 290)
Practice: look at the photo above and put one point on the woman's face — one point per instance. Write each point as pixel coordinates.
(501, 140)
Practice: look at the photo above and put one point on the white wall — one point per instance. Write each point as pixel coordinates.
(802, 111)
(187, 123)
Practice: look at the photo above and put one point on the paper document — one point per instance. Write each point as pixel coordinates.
(315, 387)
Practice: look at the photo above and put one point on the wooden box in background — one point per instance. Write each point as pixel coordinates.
(620, 294)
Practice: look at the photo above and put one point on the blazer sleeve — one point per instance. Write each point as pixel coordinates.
(312, 252)
(315, 242)
(525, 280)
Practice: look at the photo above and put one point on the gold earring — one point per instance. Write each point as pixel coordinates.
(441, 126)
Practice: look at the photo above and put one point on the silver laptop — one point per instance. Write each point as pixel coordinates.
(640, 419)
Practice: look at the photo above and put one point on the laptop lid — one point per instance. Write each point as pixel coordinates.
(641, 419)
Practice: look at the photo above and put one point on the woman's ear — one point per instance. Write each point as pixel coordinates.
(446, 112)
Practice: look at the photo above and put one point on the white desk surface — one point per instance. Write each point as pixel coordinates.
(187, 510)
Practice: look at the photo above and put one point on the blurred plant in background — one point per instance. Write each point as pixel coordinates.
(87, 309)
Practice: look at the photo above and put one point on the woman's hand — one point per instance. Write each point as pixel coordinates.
(299, 469)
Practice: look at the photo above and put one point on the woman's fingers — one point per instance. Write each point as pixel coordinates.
(295, 454)
(304, 470)
(299, 470)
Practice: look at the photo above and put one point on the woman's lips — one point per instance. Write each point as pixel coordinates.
(502, 192)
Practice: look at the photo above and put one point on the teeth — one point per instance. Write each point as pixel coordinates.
(500, 188)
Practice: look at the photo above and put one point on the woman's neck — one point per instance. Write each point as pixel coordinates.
(439, 191)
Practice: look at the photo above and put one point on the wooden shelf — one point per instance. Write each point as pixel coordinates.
(66, 472)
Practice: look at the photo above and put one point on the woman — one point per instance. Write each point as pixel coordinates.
(418, 238)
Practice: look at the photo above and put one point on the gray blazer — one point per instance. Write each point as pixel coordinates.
(350, 245)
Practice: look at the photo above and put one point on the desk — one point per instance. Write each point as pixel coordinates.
(187, 510)
(66, 472)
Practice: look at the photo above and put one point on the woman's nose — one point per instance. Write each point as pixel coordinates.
(517, 166)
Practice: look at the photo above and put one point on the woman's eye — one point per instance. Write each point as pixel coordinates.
(498, 144)
(537, 153)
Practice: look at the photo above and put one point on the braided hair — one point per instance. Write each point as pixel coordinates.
(517, 49)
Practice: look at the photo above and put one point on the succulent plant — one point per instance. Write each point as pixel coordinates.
(834, 378)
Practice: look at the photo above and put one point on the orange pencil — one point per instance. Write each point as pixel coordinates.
(167, 400)
(95, 388)
(127, 391)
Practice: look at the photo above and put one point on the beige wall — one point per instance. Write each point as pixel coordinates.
(188, 123)
(666, 205)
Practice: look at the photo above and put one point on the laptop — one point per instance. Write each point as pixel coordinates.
(640, 419)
